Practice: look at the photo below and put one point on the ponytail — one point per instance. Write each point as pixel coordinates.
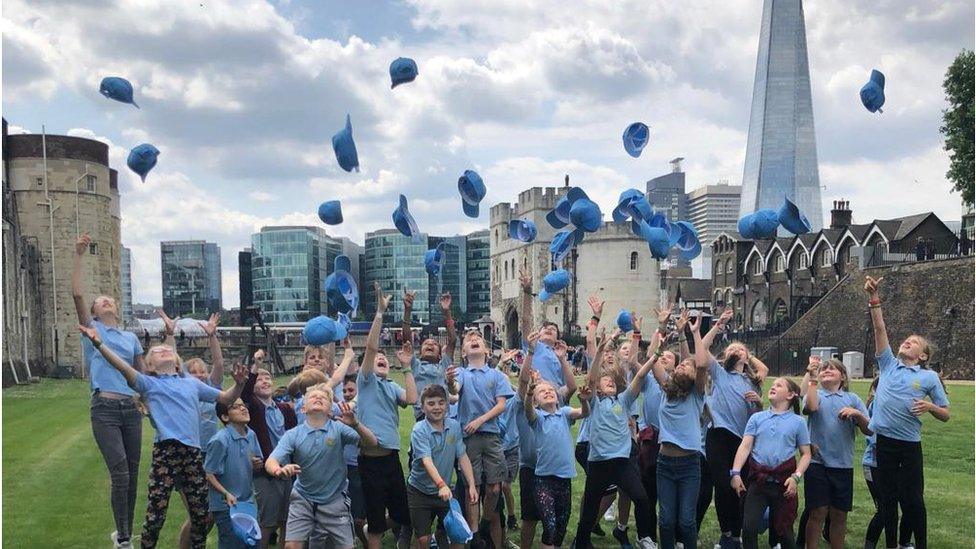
(795, 389)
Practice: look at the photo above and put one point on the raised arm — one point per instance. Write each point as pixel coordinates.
(702, 355)
(169, 328)
(216, 356)
(680, 324)
(877, 320)
(247, 394)
(339, 373)
(811, 380)
(348, 416)
(405, 356)
(228, 396)
(373, 339)
(528, 404)
(562, 350)
(717, 328)
(584, 410)
(445, 302)
(525, 282)
(596, 305)
(81, 248)
(130, 373)
(405, 331)
(637, 383)
(593, 376)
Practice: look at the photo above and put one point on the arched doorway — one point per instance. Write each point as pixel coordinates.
(512, 335)
(758, 316)
(780, 311)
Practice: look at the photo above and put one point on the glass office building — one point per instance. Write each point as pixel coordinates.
(781, 151)
(396, 262)
(478, 276)
(191, 277)
(452, 279)
(288, 265)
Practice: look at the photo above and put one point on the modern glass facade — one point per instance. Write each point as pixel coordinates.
(478, 276)
(781, 151)
(667, 194)
(191, 277)
(452, 279)
(288, 265)
(396, 262)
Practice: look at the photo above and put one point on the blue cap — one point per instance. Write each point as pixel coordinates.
(563, 242)
(872, 93)
(689, 246)
(402, 219)
(625, 205)
(522, 230)
(343, 320)
(472, 190)
(760, 224)
(340, 287)
(142, 159)
(583, 212)
(330, 212)
(244, 520)
(792, 219)
(434, 260)
(117, 88)
(456, 526)
(558, 217)
(345, 148)
(323, 330)
(625, 321)
(635, 138)
(402, 70)
(554, 282)
(657, 240)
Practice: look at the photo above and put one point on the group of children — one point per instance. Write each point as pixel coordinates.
(657, 435)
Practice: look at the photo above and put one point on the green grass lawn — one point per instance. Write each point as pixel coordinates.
(55, 486)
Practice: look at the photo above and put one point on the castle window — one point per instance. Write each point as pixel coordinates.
(803, 261)
(93, 248)
(506, 270)
(633, 261)
(39, 181)
(90, 181)
(757, 266)
(780, 263)
(828, 258)
(729, 266)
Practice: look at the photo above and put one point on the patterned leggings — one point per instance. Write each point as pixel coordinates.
(176, 465)
(554, 500)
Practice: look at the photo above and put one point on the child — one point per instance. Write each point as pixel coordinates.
(378, 402)
(609, 460)
(554, 470)
(833, 414)
(769, 444)
(300, 384)
(311, 377)
(678, 466)
(269, 421)
(483, 392)
(232, 457)
(903, 384)
(319, 358)
(318, 510)
(357, 500)
(430, 367)
(547, 363)
(176, 459)
(437, 443)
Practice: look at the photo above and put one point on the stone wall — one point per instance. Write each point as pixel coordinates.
(931, 298)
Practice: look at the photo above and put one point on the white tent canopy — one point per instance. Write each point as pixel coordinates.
(189, 327)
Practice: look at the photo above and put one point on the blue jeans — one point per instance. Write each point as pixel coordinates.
(226, 539)
(678, 480)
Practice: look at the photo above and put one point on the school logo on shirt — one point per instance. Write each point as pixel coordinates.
(450, 439)
(330, 442)
(491, 385)
(916, 385)
(617, 409)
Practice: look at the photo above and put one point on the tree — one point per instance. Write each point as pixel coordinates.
(958, 123)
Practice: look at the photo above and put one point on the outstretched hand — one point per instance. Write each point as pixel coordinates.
(525, 278)
(210, 327)
(169, 324)
(82, 244)
(90, 333)
(445, 302)
(871, 285)
(596, 304)
(405, 353)
(664, 314)
(382, 300)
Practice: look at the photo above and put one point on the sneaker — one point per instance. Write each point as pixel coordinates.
(512, 523)
(728, 542)
(647, 543)
(597, 531)
(126, 544)
(611, 514)
(433, 543)
(404, 539)
(620, 534)
(511, 544)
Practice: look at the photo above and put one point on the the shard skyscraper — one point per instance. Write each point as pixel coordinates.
(781, 154)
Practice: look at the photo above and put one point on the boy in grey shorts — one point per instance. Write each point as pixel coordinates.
(318, 508)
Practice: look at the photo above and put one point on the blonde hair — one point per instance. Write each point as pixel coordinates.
(189, 364)
(317, 349)
(839, 366)
(309, 379)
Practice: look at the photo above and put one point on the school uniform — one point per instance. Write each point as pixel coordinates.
(378, 403)
(777, 436)
(510, 438)
(900, 477)
(829, 479)
(545, 361)
(444, 447)
(351, 454)
(177, 459)
(318, 507)
(679, 477)
(480, 389)
(428, 373)
(647, 439)
(527, 462)
(208, 419)
(554, 472)
(228, 458)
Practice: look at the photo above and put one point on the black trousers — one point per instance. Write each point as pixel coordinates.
(758, 497)
(876, 525)
(720, 447)
(601, 474)
(901, 481)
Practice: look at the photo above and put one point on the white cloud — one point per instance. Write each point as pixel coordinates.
(261, 196)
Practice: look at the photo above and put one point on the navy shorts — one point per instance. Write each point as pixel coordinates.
(829, 486)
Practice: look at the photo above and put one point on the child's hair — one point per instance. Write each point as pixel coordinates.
(676, 388)
(320, 387)
(222, 410)
(748, 369)
(795, 389)
(309, 349)
(548, 323)
(433, 390)
(189, 364)
(872, 390)
(926, 348)
(617, 374)
(262, 372)
(308, 378)
(349, 378)
(839, 366)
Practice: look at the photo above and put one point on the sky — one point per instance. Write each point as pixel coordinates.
(242, 97)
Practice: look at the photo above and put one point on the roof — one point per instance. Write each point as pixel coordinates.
(808, 239)
(763, 246)
(832, 235)
(900, 227)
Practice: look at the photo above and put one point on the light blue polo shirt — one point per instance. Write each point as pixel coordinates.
(208, 419)
(351, 452)
(104, 376)
(609, 426)
(555, 457)
(173, 403)
(898, 385)
(377, 407)
(527, 449)
(426, 373)
(681, 421)
(584, 430)
(653, 398)
(275, 421)
(778, 435)
(480, 388)
(869, 458)
(229, 456)
(319, 453)
(545, 361)
(833, 436)
(443, 447)
(508, 426)
(730, 410)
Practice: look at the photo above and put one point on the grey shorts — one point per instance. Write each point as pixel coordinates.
(487, 458)
(320, 523)
(512, 464)
(271, 495)
(423, 509)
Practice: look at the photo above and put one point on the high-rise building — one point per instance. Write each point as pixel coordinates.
(191, 277)
(245, 286)
(712, 209)
(667, 194)
(396, 262)
(453, 278)
(125, 304)
(781, 152)
(478, 276)
(57, 186)
(288, 266)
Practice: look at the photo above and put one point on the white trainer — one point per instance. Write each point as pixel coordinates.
(646, 543)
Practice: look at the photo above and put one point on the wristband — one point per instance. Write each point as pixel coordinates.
(874, 301)
(797, 477)
(735, 473)
(441, 484)
(636, 334)
(878, 306)
(96, 344)
(595, 318)
(658, 353)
